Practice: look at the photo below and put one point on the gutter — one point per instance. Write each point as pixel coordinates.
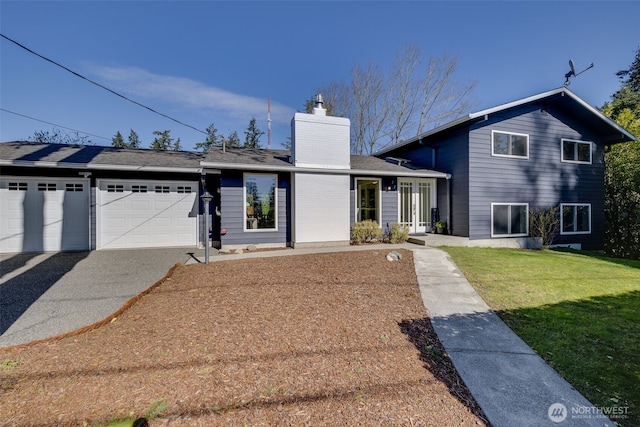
(99, 166)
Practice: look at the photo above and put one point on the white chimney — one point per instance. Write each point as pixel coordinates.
(320, 141)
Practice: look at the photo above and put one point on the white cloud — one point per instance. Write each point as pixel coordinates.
(141, 85)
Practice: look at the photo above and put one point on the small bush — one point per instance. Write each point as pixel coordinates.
(365, 232)
(398, 233)
(544, 224)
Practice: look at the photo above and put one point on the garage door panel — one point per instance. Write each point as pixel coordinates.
(44, 214)
(146, 219)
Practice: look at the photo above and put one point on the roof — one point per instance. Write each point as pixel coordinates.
(97, 157)
(111, 158)
(279, 161)
(612, 132)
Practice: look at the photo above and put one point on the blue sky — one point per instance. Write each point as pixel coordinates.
(206, 62)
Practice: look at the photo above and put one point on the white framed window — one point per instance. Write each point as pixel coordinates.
(509, 144)
(509, 219)
(575, 218)
(575, 151)
(261, 202)
(368, 199)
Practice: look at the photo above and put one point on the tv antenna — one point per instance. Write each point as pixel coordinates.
(573, 73)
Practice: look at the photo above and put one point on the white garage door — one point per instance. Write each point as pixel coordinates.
(146, 214)
(44, 214)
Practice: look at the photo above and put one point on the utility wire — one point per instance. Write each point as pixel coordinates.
(99, 85)
(53, 124)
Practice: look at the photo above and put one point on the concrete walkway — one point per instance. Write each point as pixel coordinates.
(510, 382)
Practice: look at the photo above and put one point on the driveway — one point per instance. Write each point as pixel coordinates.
(43, 295)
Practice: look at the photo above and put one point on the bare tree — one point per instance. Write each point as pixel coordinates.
(443, 99)
(414, 97)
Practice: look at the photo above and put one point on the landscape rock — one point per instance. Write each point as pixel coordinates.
(394, 256)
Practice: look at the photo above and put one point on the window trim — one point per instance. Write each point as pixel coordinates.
(577, 141)
(244, 203)
(509, 156)
(356, 198)
(526, 205)
(570, 233)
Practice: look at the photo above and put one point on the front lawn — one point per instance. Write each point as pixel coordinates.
(579, 311)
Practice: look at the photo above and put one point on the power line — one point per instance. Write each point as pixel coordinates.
(100, 85)
(53, 124)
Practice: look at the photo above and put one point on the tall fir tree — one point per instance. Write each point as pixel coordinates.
(162, 141)
(212, 139)
(252, 135)
(118, 141)
(134, 140)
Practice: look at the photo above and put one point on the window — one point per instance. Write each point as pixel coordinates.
(576, 151)
(509, 144)
(575, 218)
(261, 200)
(17, 186)
(115, 188)
(184, 190)
(367, 199)
(509, 219)
(74, 187)
(138, 188)
(46, 186)
(162, 189)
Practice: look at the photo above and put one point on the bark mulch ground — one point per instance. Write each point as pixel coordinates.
(326, 339)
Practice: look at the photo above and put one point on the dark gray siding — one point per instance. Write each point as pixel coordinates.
(453, 158)
(232, 207)
(451, 153)
(542, 180)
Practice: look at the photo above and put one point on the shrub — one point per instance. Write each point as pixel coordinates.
(398, 233)
(365, 232)
(544, 224)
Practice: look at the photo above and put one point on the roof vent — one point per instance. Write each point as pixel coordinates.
(318, 106)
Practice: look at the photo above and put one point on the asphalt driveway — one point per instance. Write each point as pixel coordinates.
(42, 295)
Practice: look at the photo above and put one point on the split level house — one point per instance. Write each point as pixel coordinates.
(481, 174)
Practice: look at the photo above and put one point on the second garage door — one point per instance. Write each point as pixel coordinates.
(146, 214)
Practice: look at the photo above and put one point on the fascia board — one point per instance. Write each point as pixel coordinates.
(408, 173)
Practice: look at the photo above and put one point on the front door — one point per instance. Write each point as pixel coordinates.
(416, 198)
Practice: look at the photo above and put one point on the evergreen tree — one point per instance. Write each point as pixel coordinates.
(177, 146)
(212, 140)
(118, 141)
(134, 141)
(252, 135)
(162, 141)
(233, 140)
(622, 169)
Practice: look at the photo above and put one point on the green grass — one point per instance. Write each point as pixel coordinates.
(579, 311)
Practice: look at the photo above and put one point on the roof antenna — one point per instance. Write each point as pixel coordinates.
(573, 73)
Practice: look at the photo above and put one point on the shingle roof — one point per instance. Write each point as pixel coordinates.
(95, 155)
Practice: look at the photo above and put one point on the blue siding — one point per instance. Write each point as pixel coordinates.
(542, 180)
(232, 207)
(453, 158)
